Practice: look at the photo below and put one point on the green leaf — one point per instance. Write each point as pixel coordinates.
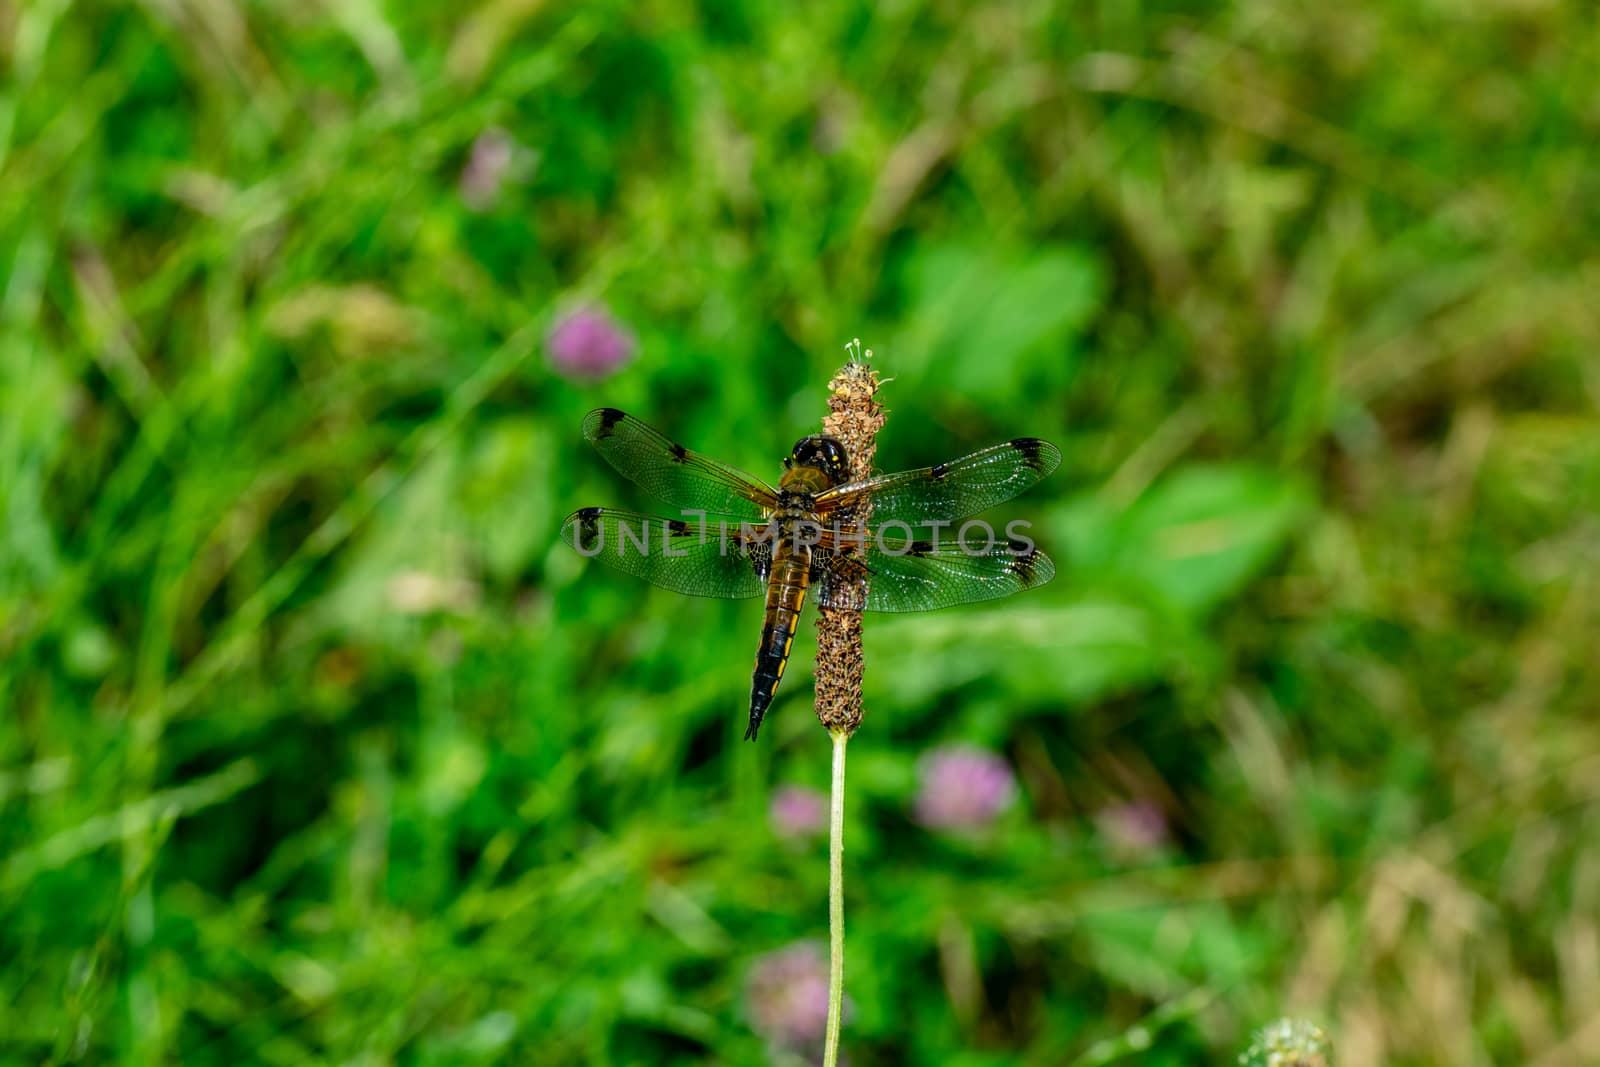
(1194, 540)
(991, 325)
(1077, 653)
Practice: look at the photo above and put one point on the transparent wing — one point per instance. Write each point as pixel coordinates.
(948, 492)
(925, 575)
(716, 559)
(667, 470)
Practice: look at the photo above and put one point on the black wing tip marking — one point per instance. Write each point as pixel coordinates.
(1032, 567)
(584, 525)
(677, 526)
(601, 423)
(1040, 455)
(679, 453)
(938, 471)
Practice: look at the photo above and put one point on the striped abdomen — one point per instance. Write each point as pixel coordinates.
(786, 595)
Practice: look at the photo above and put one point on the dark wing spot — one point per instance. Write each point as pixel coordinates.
(677, 527)
(588, 528)
(1025, 563)
(1034, 451)
(919, 548)
(609, 417)
(939, 470)
(680, 453)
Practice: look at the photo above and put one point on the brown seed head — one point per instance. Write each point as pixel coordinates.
(855, 417)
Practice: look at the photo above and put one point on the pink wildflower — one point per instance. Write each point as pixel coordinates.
(797, 812)
(586, 343)
(786, 996)
(963, 788)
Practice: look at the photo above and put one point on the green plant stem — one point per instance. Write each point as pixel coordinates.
(830, 1049)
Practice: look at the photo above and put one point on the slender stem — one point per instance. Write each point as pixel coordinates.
(830, 1050)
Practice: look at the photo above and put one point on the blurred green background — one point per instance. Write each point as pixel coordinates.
(318, 747)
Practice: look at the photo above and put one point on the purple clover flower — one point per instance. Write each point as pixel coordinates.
(797, 812)
(1136, 828)
(962, 788)
(496, 159)
(587, 343)
(786, 996)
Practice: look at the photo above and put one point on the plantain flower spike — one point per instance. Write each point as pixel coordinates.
(855, 417)
(1289, 1043)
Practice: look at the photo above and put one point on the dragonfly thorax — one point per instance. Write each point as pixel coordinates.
(795, 504)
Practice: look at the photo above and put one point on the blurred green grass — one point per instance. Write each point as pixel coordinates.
(318, 747)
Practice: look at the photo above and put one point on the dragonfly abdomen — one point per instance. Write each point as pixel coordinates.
(786, 595)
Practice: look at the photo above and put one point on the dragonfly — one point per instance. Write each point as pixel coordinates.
(741, 538)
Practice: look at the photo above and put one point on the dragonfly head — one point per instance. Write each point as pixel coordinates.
(822, 453)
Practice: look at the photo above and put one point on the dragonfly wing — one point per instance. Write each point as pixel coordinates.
(714, 559)
(926, 575)
(667, 470)
(949, 492)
